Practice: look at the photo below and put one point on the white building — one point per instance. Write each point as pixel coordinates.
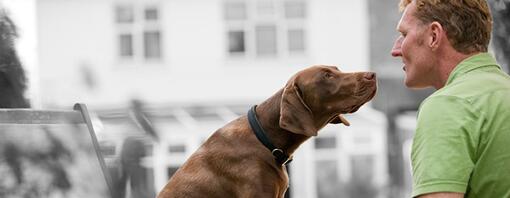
(108, 51)
(197, 64)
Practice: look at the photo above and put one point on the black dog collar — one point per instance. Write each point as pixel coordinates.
(279, 155)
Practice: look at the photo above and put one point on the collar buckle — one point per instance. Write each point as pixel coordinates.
(281, 157)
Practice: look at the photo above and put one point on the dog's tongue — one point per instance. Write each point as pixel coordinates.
(344, 121)
(339, 119)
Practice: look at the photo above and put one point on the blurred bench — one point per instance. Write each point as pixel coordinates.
(50, 153)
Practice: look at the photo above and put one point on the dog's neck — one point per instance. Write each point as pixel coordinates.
(281, 138)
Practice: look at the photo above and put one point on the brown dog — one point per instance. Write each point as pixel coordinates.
(234, 163)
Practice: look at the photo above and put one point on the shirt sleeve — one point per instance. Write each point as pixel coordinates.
(444, 146)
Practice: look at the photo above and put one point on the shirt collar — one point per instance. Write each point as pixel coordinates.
(471, 63)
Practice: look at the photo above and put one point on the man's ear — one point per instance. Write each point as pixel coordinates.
(295, 115)
(437, 34)
(340, 119)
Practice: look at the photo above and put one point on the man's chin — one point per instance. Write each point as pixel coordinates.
(414, 85)
(410, 84)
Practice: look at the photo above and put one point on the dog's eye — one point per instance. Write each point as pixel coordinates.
(328, 75)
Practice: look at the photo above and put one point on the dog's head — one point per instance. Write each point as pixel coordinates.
(319, 95)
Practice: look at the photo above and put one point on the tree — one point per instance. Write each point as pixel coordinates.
(12, 75)
(501, 30)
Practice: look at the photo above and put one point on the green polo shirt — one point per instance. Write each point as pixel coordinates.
(462, 139)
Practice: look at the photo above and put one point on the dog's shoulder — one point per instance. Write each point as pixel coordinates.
(237, 128)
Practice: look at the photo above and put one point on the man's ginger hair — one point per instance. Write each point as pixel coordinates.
(468, 23)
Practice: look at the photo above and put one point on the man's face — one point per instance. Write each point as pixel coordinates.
(411, 47)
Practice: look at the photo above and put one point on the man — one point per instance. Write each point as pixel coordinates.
(460, 148)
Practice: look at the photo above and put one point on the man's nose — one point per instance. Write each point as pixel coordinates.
(396, 51)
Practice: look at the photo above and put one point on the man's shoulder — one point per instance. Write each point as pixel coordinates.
(433, 105)
(475, 84)
(477, 96)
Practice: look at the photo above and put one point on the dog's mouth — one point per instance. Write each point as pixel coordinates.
(366, 93)
(354, 108)
(366, 98)
(374, 90)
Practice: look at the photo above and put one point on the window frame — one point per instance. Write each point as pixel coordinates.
(253, 19)
(138, 28)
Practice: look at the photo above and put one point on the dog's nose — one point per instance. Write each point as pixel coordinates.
(369, 75)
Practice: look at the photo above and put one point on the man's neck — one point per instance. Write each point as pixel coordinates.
(448, 61)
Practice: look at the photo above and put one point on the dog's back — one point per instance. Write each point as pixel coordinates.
(228, 164)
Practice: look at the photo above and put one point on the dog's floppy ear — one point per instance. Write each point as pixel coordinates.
(295, 115)
(340, 119)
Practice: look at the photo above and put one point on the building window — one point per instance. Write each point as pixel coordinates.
(170, 171)
(124, 13)
(362, 176)
(265, 28)
(126, 45)
(235, 10)
(325, 142)
(265, 8)
(139, 32)
(152, 48)
(266, 40)
(295, 9)
(296, 42)
(236, 42)
(328, 182)
(151, 14)
(363, 167)
(177, 148)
